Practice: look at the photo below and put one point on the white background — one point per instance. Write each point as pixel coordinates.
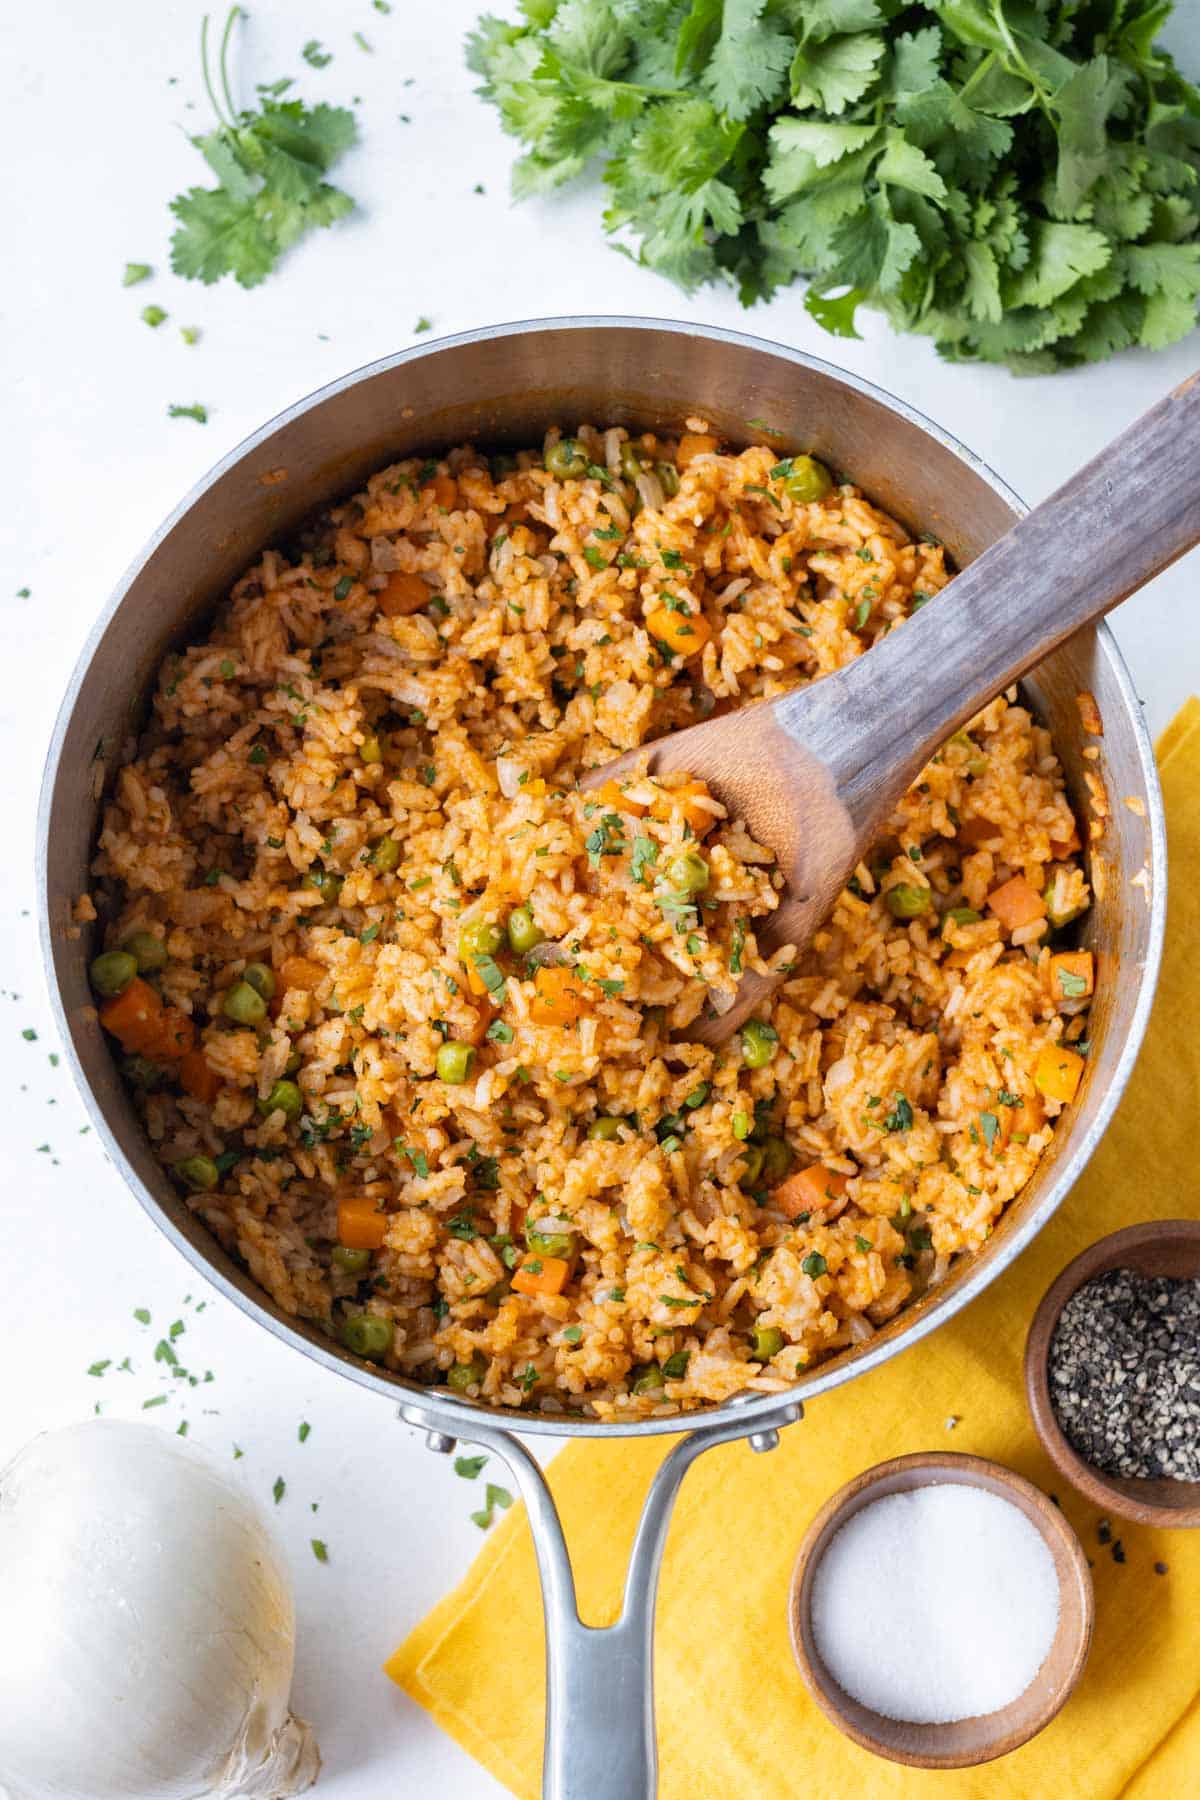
(96, 145)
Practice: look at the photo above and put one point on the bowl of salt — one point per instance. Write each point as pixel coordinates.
(941, 1610)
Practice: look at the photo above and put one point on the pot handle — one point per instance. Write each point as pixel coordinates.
(600, 1741)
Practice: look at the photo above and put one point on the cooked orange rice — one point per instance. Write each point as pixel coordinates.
(508, 1168)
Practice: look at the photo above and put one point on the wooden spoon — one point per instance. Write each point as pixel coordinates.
(816, 773)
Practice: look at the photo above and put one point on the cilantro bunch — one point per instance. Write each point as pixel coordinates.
(271, 164)
(1016, 179)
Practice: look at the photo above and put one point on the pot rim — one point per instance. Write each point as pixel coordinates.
(825, 1377)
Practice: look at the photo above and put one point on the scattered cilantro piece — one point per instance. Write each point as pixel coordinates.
(319, 1550)
(469, 1466)
(29, 1034)
(279, 1489)
(303, 1431)
(314, 56)
(270, 163)
(190, 334)
(98, 1368)
(901, 1116)
(1016, 181)
(153, 316)
(422, 324)
(142, 1315)
(195, 411)
(135, 272)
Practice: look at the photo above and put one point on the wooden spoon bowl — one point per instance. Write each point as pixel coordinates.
(960, 1743)
(1168, 1247)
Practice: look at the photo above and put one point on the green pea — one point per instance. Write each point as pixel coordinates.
(284, 1097)
(478, 937)
(807, 480)
(148, 952)
(668, 476)
(368, 1335)
(907, 901)
(141, 1073)
(386, 856)
(551, 1243)
(244, 1004)
(752, 1162)
(371, 750)
(462, 1376)
(566, 459)
(646, 1378)
(633, 460)
(112, 972)
(350, 1262)
(768, 1342)
(777, 1160)
(327, 884)
(961, 915)
(759, 1043)
(261, 979)
(688, 872)
(454, 1062)
(523, 930)
(200, 1173)
(605, 1128)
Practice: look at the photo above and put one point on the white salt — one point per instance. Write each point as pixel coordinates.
(936, 1604)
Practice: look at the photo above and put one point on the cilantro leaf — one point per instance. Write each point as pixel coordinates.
(269, 163)
(1019, 182)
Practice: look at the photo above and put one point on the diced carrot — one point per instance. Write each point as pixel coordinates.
(611, 794)
(445, 491)
(1057, 1073)
(1070, 968)
(977, 831)
(693, 444)
(404, 594)
(474, 1032)
(361, 1224)
(134, 1017)
(684, 633)
(198, 1078)
(812, 1190)
(686, 795)
(541, 1275)
(558, 997)
(176, 1035)
(1017, 902)
(300, 972)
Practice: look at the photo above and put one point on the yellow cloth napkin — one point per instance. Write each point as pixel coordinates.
(734, 1721)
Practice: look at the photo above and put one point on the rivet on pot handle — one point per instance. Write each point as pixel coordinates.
(600, 1741)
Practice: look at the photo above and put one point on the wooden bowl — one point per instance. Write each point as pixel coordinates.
(1166, 1247)
(961, 1743)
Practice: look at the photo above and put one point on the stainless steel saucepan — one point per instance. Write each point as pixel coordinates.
(505, 386)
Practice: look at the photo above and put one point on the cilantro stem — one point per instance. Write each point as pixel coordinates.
(208, 86)
(235, 13)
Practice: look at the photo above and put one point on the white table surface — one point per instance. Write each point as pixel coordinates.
(90, 465)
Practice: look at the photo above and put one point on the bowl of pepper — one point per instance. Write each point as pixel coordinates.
(1112, 1373)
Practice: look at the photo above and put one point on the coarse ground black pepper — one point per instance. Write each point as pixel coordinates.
(1124, 1373)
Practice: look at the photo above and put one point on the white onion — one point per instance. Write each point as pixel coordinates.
(147, 1643)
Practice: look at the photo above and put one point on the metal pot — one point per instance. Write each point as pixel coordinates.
(505, 386)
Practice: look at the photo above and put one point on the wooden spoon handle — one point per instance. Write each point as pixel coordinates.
(1117, 523)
